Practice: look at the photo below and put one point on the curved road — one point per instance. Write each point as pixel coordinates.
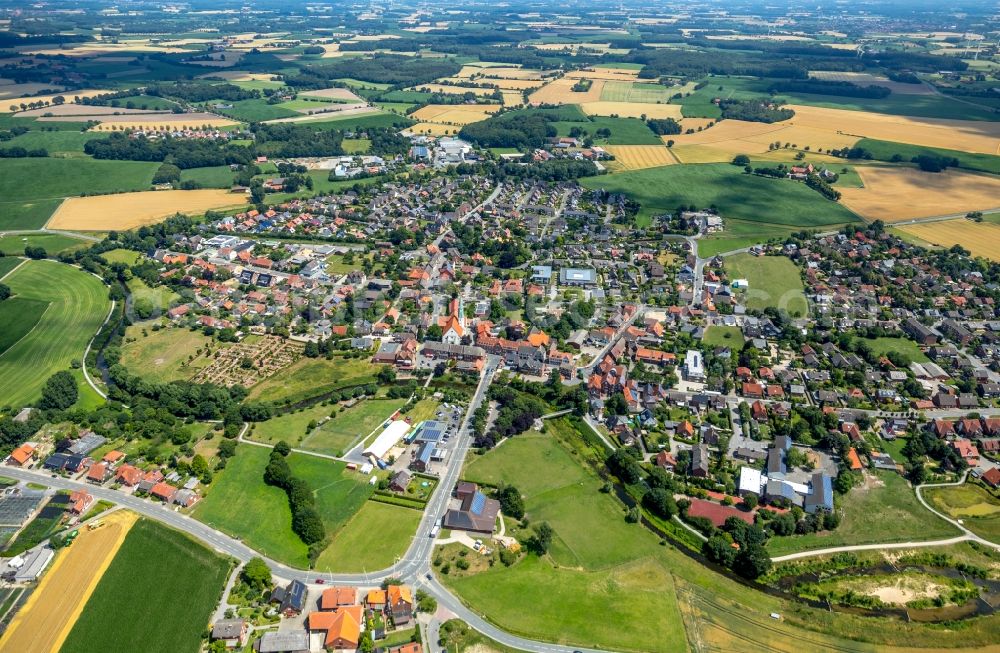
(414, 568)
(966, 535)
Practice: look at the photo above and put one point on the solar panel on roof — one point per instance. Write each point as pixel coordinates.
(478, 503)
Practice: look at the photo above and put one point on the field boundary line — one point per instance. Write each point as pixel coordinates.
(4, 353)
(13, 270)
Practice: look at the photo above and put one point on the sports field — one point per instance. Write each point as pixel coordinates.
(130, 210)
(896, 194)
(982, 239)
(159, 576)
(637, 157)
(774, 282)
(77, 306)
(45, 620)
(735, 194)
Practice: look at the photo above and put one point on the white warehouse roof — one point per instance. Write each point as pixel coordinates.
(387, 439)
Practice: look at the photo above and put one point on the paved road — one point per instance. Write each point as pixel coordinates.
(414, 567)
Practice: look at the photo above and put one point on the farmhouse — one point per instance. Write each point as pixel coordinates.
(232, 632)
(476, 512)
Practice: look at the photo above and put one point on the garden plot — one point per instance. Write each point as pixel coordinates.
(250, 362)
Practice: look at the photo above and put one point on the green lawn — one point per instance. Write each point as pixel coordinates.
(357, 145)
(255, 111)
(27, 214)
(624, 131)
(373, 539)
(157, 296)
(597, 565)
(774, 281)
(18, 316)
(53, 141)
(310, 377)
(159, 576)
(51, 243)
(164, 355)
(905, 346)
(723, 336)
(8, 263)
(635, 92)
(975, 506)
(699, 103)
(337, 435)
(736, 195)
(885, 150)
(78, 304)
(210, 177)
(886, 513)
(126, 256)
(239, 490)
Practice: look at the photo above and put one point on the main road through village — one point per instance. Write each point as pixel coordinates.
(414, 568)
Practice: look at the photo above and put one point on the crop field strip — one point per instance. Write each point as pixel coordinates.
(130, 210)
(897, 194)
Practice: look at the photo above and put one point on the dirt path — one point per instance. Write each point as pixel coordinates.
(44, 622)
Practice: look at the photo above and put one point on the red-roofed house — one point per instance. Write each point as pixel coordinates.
(163, 491)
(80, 501)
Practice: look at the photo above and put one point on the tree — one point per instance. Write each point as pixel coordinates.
(660, 502)
(750, 501)
(719, 549)
(741, 160)
(622, 463)
(282, 448)
(752, 562)
(4, 292)
(386, 375)
(511, 502)
(256, 574)
(59, 392)
(542, 538)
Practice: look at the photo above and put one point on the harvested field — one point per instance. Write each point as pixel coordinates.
(270, 355)
(7, 102)
(333, 94)
(982, 239)
(50, 612)
(10, 89)
(238, 76)
(157, 121)
(505, 72)
(449, 114)
(896, 194)
(636, 157)
(964, 135)
(514, 84)
(631, 109)
(607, 74)
(90, 112)
(336, 112)
(448, 89)
(560, 91)
(512, 98)
(867, 79)
(130, 210)
(740, 137)
(701, 153)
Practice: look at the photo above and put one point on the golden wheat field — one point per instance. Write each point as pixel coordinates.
(454, 114)
(559, 91)
(512, 98)
(897, 194)
(130, 210)
(637, 157)
(700, 153)
(982, 239)
(48, 615)
(964, 135)
(448, 89)
(741, 137)
(156, 121)
(433, 129)
(631, 109)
